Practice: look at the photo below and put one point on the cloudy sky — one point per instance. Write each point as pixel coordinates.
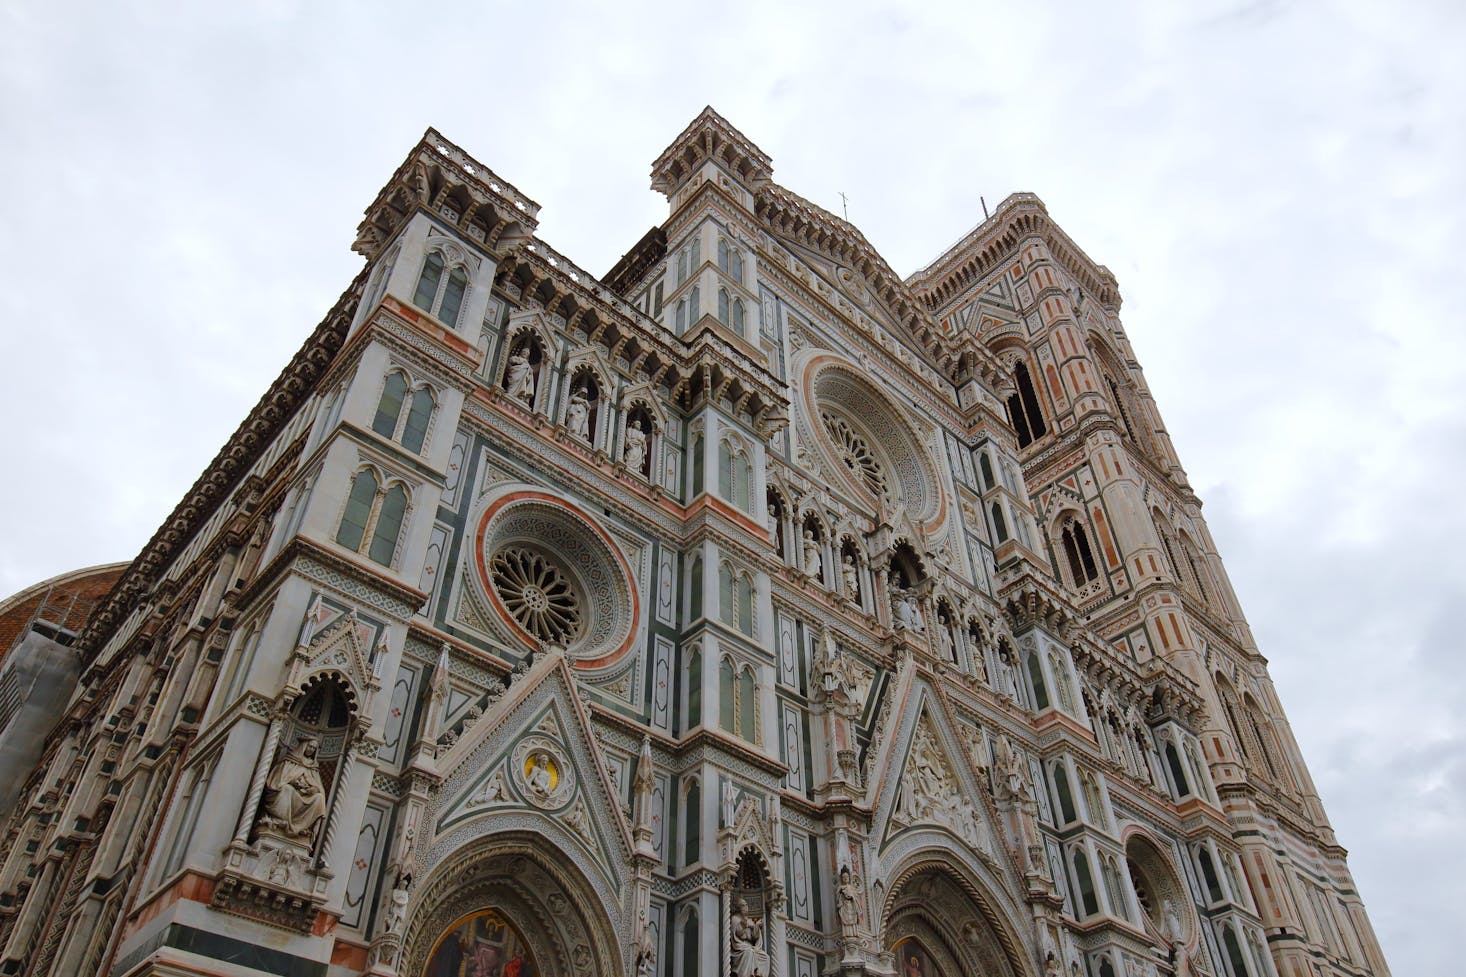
(1280, 188)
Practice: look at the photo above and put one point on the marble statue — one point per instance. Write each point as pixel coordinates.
(577, 418)
(747, 931)
(811, 554)
(295, 798)
(634, 452)
(848, 894)
(520, 380)
(851, 576)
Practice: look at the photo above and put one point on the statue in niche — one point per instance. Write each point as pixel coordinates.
(908, 615)
(848, 894)
(634, 452)
(747, 931)
(295, 798)
(646, 954)
(945, 644)
(397, 910)
(577, 417)
(519, 382)
(811, 554)
(850, 574)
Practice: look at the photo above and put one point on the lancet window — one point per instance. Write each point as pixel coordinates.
(438, 294)
(401, 415)
(373, 516)
(1023, 409)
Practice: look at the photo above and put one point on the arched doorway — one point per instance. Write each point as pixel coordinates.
(511, 898)
(938, 924)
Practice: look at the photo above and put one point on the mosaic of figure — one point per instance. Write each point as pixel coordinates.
(483, 945)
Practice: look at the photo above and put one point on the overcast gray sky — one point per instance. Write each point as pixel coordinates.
(1278, 186)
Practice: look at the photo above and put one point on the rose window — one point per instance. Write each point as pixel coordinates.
(536, 594)
(855, 453)
(865, 440)
(549, 574)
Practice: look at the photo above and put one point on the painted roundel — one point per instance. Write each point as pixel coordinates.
(555, 577)
(865, 437)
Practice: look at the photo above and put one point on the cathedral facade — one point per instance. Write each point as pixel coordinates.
(749, 610)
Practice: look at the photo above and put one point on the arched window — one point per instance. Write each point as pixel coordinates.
(1085, 880)
(1000, 527)
(737, 322)
(690, 946)
(439, 296)
(692, 824)
(986, 466)
(692, 678)
(681, 266)
(373, 517)
(1023, 409)
(727, 696)
(730, 261)
(723, 309)
(409, 427)
(745, 603)
(1113, 893)
(415, 428)
(1209, 875)
(1077, 552)
(696, 251)
(738, 700)
(389, 525)
(747, 698)
(428, 281)
(1234, 952)
(735, 475)
(694, 299)
(1036, 679)
(681, 316)
(696, 463)
(1178, 774)
(1065, 795)
(358, 512)
(1262, 733)
(1195, 566)
(1061, 684)
(394, 392)
(694, 587)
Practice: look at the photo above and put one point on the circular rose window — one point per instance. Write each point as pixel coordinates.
(866, 437)
(537, 594)
(554, 577)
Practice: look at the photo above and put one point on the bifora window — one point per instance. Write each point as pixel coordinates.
(856, 453)
(437, 295)
(537, 594)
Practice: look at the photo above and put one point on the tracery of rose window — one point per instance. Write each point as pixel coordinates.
(537, 594)
(856, 453)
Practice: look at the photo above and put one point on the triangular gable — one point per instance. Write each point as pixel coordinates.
(926, 779)
(340, 646)
(531, 760)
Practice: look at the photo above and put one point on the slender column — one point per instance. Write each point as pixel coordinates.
(343, 781)
(257, 782)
